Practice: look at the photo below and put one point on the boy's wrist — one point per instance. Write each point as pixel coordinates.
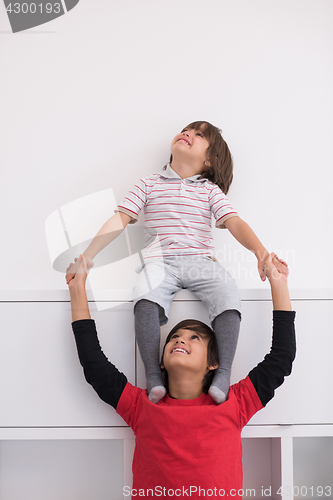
(88, 255)
(278, 280)
(79, 303)
(261, 254)
(77, 290)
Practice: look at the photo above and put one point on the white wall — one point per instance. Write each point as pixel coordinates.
(93, 99)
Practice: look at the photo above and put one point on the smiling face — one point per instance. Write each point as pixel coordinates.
(190, 145)
(187, 350)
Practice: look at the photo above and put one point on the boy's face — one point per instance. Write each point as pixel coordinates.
(187, 350)
(190, 144)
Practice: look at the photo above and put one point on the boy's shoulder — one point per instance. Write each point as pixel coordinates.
(130, 398)
(149, 180)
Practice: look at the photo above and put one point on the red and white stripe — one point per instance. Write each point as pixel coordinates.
(178, 213)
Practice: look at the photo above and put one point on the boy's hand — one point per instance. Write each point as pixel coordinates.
(278, 282)
(280, 265)
(73, 268)
(82, 267)
(275, 268)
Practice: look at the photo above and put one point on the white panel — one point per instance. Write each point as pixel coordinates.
(66, 470)
(39, 362)
(287, 473)
(302, 399)
(257, 476)
(313, 466)
(41, 380)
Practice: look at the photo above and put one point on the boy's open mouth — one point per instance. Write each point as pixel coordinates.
(182, 139)
(180, 349)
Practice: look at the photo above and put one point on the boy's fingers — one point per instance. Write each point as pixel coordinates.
(281, 266)
(276, 267)
(83, 262)
(261, 270)
(82, 266)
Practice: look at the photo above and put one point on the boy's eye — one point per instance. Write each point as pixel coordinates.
(195, 336)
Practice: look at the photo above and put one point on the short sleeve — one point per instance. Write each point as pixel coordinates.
(248, 400)
(129, 404)
(220, 206)
(135, 200)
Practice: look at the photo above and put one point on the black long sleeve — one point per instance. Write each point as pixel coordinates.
(270, 373)
(104, 377)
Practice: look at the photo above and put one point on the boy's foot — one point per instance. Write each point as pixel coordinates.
(157, 393)
(216, 393)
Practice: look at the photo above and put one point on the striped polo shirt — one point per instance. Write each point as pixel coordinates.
(178, 213)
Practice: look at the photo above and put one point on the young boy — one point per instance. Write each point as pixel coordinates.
(187, 444)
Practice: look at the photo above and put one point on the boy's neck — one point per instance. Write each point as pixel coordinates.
(184, 169)
(185, 388)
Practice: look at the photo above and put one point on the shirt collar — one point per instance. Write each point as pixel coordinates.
(169, 173)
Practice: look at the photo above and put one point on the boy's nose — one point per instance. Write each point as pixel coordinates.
(181, 341)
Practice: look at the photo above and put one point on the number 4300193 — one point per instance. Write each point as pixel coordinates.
(305, 491)
(33, 8)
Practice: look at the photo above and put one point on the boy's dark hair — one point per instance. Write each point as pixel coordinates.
(212, 353)
(220, 170)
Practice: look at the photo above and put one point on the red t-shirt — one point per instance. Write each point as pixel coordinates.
(188, 448)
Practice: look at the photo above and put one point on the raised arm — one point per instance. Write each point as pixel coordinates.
(278, 282)
(108, 232)
(270, 373)
(104, 377)
(77, 290)
(243, 233)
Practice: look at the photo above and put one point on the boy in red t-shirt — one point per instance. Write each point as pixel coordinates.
(187, 445)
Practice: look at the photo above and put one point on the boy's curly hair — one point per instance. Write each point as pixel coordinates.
(212, 353)
(220, 170)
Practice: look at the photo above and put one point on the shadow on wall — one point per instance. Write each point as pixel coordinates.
(70, 229)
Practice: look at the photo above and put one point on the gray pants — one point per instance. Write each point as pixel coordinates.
(161, 279)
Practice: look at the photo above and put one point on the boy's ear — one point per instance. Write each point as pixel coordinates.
(213, 367)
(207, 163)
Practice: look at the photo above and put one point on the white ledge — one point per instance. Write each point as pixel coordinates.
(125, 295)
(250, 431)
(294, 430)
(50, 433)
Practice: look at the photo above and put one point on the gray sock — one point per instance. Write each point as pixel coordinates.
(147, 330)
(226, 327)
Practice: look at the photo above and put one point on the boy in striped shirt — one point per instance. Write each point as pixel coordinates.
(178, 251)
